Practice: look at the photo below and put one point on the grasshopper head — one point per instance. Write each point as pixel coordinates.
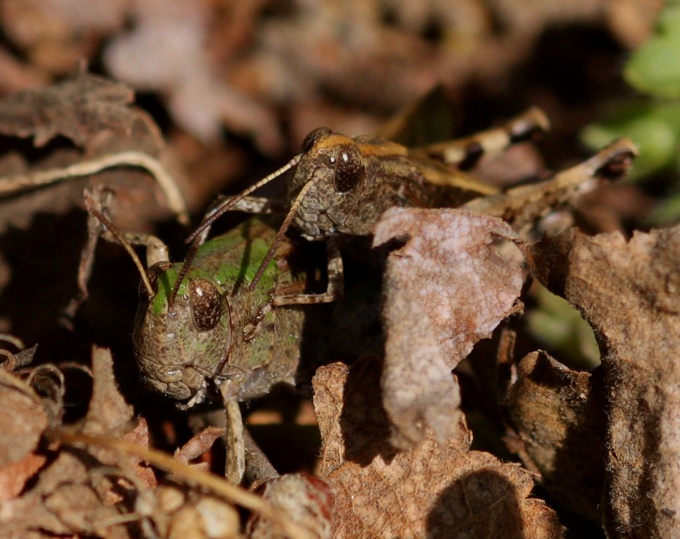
(328, 177)
(180, 347)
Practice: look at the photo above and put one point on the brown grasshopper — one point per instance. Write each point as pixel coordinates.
(341, 186)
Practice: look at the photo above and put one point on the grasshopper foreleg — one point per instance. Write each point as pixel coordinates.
(336, 281)
(156, 250)
(97, 202)
(259, 205)
(101, 199)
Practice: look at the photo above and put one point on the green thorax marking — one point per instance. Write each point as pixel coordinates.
(231, 260)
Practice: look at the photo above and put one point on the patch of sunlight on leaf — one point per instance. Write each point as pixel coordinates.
(561, 327)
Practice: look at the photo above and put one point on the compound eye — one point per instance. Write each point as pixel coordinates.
(206, 304)
(349, 170)
(314, 137)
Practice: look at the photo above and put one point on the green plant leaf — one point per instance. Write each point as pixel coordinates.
(561, 327)
(667, 212)
(655, 67)
(653, 126)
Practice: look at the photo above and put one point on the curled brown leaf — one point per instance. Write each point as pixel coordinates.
(445, 289)
(108, 412)
(96, 116)
(559, 415)
(629, 291)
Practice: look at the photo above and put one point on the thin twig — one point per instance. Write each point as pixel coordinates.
(131, 158)
(206, 480)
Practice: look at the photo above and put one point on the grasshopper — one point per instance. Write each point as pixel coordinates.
(341, 186)
(215, 336)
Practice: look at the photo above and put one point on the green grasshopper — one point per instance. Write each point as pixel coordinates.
(340, 186)
(215, 335)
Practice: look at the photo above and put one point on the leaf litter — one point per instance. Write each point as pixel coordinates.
(553, 410)
(104, 490)
(380, 492)
(95, 115)
(396, 448)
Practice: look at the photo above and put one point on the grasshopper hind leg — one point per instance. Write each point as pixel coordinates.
(465, 153)
(525, 205)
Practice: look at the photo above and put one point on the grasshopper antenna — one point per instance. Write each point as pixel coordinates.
(195, 246)
(197, 241)
(197, 237)
(120, 238)
(282, 231)
(231, 202)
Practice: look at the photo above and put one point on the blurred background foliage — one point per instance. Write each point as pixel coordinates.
(651, 118)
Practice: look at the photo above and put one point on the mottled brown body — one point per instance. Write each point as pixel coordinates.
(351, 182)
(342, 185)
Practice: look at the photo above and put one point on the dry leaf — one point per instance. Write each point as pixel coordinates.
(435, 490)
(559, 415)
(49, 382)
(629, 291)
(199, 444)
(165, 52)
(12, 361)
(13, 476)
(62, 502)
(55, 36)
(446, 289)
(22, 424)
(96, 115)
(306, 500)
(23, 420)
(110, 415)
(140, 436)
(108, 412)
(70, 494)
(85, 109)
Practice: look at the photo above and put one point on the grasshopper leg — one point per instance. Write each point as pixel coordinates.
(464, 153)
(524, 205)
(235, 466)
(259, 205)
(156, 250)
(101, 199)
(336, 281)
